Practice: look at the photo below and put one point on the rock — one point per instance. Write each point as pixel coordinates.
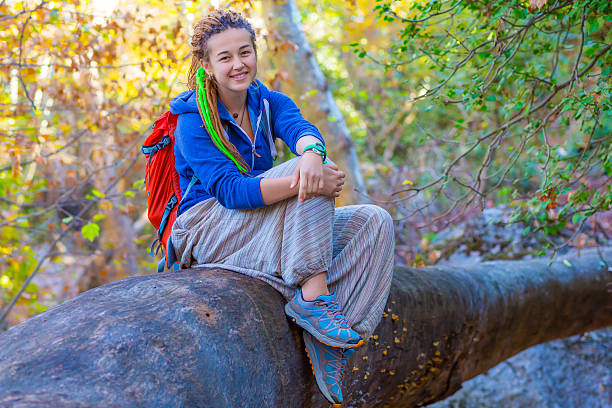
(569, 373)
(489, 236)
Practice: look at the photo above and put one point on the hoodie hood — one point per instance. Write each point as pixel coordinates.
(186, 101)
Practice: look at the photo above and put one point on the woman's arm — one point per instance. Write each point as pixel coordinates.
(219, 176)
(277, 189)
(288, 123)
(305, 141)
(310, 178)
(309, 172)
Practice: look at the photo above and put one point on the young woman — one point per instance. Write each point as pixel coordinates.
(277, 224)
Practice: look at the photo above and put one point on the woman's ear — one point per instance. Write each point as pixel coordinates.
(206, 67)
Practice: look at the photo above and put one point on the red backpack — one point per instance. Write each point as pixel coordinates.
(162, 186)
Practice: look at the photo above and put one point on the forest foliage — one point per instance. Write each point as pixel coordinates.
(453, 106)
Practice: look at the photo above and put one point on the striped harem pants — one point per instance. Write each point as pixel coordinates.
(288, 242)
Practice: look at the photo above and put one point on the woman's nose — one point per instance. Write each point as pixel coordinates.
(238, 63)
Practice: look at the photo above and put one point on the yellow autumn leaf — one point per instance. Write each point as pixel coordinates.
(6, 250)
(408, 182)
(5, 282)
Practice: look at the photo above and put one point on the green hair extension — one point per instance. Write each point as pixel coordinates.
(205, 113)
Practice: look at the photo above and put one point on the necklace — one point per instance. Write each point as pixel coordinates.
(235, 115)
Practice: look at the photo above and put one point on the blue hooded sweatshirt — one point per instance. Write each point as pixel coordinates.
(196, 154)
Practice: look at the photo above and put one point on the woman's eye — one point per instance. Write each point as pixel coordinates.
(246, 52)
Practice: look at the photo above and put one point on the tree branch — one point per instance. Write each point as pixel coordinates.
(430, 16)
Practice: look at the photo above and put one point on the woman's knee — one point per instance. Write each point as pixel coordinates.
(379, 215)
(284, 169)
(381, 220)
(323, 203)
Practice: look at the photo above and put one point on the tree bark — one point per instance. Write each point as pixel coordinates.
(213, 338)
(301, 77)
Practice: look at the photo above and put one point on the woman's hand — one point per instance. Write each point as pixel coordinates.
(309, 173)
(333, 179)
(328, 181)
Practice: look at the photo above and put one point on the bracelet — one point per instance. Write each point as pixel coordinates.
(317, 148)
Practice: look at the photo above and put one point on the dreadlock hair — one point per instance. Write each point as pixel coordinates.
(215, 22)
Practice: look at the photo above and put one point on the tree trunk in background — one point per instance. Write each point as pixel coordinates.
(116, 258)
(301, 74)
(213, 338)
(116, 255)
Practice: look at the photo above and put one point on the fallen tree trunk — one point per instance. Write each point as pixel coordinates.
(213, 338)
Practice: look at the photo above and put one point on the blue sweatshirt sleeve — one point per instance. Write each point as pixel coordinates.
(218, 174)
(288, 122)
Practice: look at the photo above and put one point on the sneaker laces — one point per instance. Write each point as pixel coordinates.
(342, 365)
(338, 364)
(333, 308)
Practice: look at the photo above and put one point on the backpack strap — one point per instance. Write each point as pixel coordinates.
(165, 141)
(193, 180)
(157, 244)
(164, 220)
(152, 149)
(171, 203)
(169, 258)
(169, 261)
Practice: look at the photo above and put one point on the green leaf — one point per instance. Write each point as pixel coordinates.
(90, 231)
(593, 25)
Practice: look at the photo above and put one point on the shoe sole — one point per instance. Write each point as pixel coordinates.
(318, 378)
(330, 341)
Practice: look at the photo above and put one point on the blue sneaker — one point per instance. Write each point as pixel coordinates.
(328, 367)
(323, 319)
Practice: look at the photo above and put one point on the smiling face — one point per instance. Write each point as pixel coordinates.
(231, 60)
